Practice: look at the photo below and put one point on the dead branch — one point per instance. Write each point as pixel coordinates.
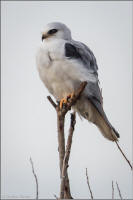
(119, 190)
(89, 184)
(61, 140)
(112, 190)
(56, 197)
(67, 154)
(52, 102)
(124, 155)
(35, 176)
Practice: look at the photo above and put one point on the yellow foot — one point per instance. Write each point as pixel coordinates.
(70, 96)
(65, 100)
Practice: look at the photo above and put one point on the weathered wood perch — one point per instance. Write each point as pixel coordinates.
(65, 192)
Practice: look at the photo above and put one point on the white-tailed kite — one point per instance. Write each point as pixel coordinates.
(63, 64)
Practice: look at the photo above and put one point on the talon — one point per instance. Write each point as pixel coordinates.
(65, 100)
(62, 101)
(70, 96)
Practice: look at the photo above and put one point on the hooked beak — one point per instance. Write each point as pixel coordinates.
(44, 36)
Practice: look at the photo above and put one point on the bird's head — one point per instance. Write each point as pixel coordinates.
(56, 30)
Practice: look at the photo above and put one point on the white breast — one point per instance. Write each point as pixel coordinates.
(60, 75)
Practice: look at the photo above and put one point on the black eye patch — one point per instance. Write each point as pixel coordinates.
(52, 31)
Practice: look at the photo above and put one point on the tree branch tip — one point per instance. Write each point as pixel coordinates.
(89, 184)
(52, 102)
(119, 190)
(31, 161)
(35, 176)
(55, 196)
(124, 155)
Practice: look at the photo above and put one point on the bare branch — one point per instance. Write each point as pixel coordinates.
(89, 184)
(35, 176)
(56, 197)
(61, 139)
(119, 190)
(67, 154)
(124, 155)
(61, 142)
(112, 190)
(52, 102)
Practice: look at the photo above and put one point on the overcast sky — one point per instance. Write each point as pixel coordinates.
(28, 119)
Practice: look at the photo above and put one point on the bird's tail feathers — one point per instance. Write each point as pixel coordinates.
(93, 111)
(101, 120)
(107, 131)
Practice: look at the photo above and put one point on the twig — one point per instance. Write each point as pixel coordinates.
(124, 155)
(61, 139)
(67, 154)
(112, 190)
(119, 190)
(52, 102)
(56, 197)
(32, 165)
(89, 184)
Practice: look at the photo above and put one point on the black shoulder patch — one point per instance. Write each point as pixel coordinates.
(71, 51)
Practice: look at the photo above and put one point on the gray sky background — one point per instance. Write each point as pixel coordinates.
(28, 119)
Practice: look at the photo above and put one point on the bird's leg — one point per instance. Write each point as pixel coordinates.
(66, 100)
(70, 96)
(62, 102)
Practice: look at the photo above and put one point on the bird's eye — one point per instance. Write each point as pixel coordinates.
(52, 31)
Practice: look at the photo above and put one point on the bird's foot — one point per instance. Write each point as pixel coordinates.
(64, 101)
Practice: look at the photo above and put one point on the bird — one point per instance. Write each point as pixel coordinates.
(63, 64)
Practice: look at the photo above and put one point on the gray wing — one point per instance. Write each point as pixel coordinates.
(87, 56)
(77, 50)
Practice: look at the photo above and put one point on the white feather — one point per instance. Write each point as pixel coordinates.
(58, 73)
